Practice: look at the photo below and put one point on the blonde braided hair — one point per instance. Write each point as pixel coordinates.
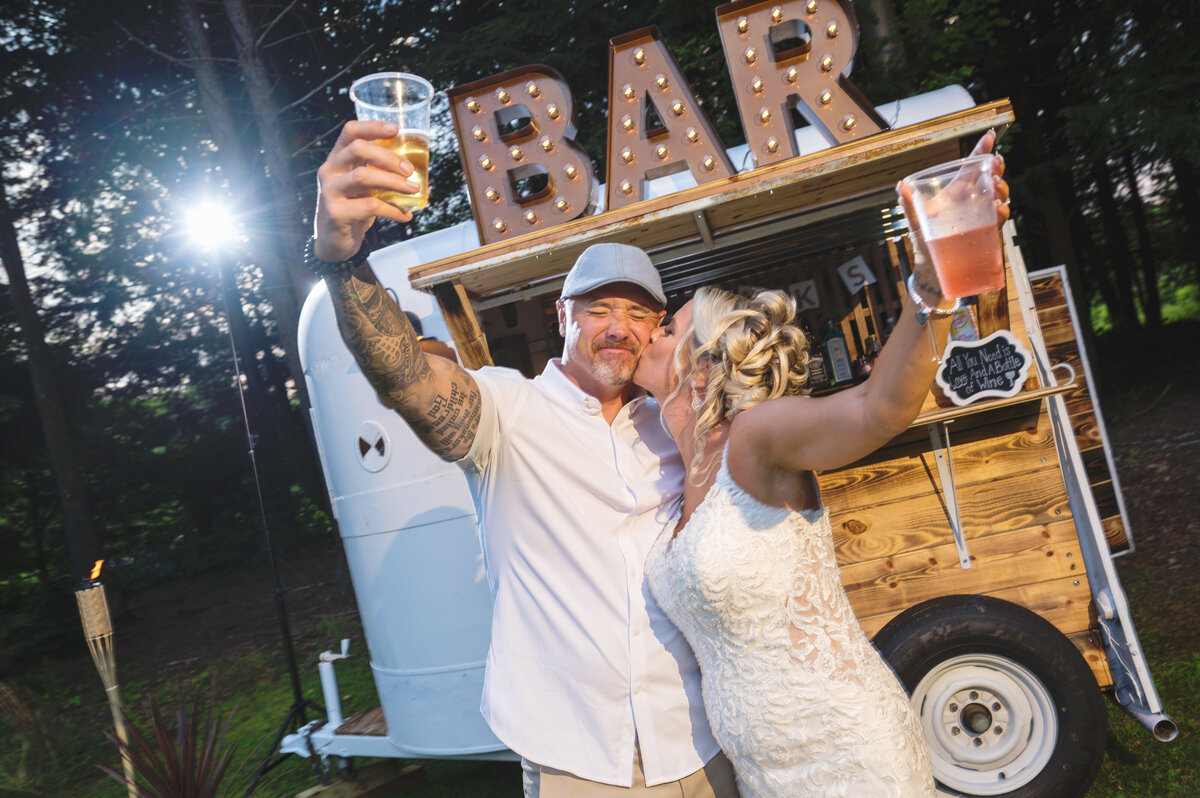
(751, 351)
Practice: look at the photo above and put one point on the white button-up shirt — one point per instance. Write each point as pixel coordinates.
(582, 663)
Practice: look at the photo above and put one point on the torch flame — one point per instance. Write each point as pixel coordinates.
(96, 570)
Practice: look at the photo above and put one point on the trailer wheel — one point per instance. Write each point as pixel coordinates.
(1008, 705)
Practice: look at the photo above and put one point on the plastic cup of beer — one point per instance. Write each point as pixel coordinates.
(956, 213)
(404, 99)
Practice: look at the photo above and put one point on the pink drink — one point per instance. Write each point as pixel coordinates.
(968, 263)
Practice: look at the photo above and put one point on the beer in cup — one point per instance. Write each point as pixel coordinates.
(403, 99)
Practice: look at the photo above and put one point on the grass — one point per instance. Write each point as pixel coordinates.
(1135, 765)
(1138, 766)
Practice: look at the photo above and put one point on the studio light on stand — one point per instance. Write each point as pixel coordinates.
(213, 230)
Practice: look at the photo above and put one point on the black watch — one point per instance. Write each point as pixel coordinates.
(323, 268)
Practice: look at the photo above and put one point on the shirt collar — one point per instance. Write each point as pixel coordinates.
(559, 386)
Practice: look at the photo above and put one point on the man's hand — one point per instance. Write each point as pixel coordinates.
(346, 207)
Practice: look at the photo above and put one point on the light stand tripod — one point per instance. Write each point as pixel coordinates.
(296, 713)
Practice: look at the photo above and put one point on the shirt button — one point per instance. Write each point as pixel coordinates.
(591, 406)
(637, 630)
(637, 690)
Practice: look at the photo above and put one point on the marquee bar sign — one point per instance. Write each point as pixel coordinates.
(768, 82)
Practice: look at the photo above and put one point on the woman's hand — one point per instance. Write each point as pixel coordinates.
(346, 206)
(926, 281)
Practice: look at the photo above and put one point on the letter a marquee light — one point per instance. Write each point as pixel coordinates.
(642, 74)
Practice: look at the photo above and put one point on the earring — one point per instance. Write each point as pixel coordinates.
(697, 399)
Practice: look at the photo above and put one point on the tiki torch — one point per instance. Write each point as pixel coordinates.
(97, 630)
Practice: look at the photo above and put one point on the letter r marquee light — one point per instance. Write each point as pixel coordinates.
(810, 77)
(494, 159)
(642, 74)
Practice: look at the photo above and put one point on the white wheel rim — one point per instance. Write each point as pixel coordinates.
(1015, 723)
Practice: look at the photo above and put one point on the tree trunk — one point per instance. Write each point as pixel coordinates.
(1118, 248)
(269, 413)
(278, 154)
(83, 541)
(1151, 301)
(248, 192)
(275, 255)
(1189, 199)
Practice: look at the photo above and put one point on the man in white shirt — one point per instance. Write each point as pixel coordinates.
(573, 478)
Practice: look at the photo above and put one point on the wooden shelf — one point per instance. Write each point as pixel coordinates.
(950, 413)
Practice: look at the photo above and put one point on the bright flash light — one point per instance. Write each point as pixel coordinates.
(210, 225)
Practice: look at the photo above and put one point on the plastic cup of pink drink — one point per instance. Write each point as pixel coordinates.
(956, 212)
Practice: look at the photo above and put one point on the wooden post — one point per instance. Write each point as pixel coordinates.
(469, 339)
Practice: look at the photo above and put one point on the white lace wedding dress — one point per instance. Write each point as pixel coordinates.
(800, 701)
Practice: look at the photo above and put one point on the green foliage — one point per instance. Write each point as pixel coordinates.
(192, 762)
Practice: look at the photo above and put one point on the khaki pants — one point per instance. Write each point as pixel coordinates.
(715, 780)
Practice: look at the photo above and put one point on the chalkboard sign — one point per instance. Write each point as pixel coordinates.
(992, 368)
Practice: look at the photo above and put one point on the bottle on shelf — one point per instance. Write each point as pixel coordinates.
(838, 355)
(818, 375)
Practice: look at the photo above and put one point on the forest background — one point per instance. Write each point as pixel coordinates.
(121, 434)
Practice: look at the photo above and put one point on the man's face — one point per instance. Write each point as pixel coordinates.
(604, 333)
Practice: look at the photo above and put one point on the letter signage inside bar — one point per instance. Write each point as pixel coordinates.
(537, 102)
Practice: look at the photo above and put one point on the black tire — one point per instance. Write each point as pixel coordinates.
(975, 664)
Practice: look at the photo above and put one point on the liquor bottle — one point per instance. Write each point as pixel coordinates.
(818, 375)
(834, 344)
(871, 347)
(962, 325)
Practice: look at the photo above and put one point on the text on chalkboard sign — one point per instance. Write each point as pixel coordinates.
(995, 367)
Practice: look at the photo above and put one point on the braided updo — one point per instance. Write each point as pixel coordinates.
(751, 350)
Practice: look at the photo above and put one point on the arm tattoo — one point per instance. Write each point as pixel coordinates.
(442, 407)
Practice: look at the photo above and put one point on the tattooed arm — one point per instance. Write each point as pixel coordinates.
(437, 397)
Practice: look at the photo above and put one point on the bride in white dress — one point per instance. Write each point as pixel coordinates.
(801, 702)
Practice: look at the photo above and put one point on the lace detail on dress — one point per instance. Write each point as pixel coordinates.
(799, 699)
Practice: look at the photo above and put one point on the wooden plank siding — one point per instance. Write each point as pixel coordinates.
(1054, 317)
(892, 533)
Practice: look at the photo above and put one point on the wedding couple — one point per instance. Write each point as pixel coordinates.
(668, 614)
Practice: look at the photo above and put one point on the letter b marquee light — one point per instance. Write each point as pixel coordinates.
(495, 158)
(810, 76)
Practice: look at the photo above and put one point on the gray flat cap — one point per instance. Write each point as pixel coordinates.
(602, 264)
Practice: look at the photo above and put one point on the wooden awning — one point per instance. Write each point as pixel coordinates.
(791, 193)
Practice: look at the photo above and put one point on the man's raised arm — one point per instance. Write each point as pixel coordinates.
(437, 397)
